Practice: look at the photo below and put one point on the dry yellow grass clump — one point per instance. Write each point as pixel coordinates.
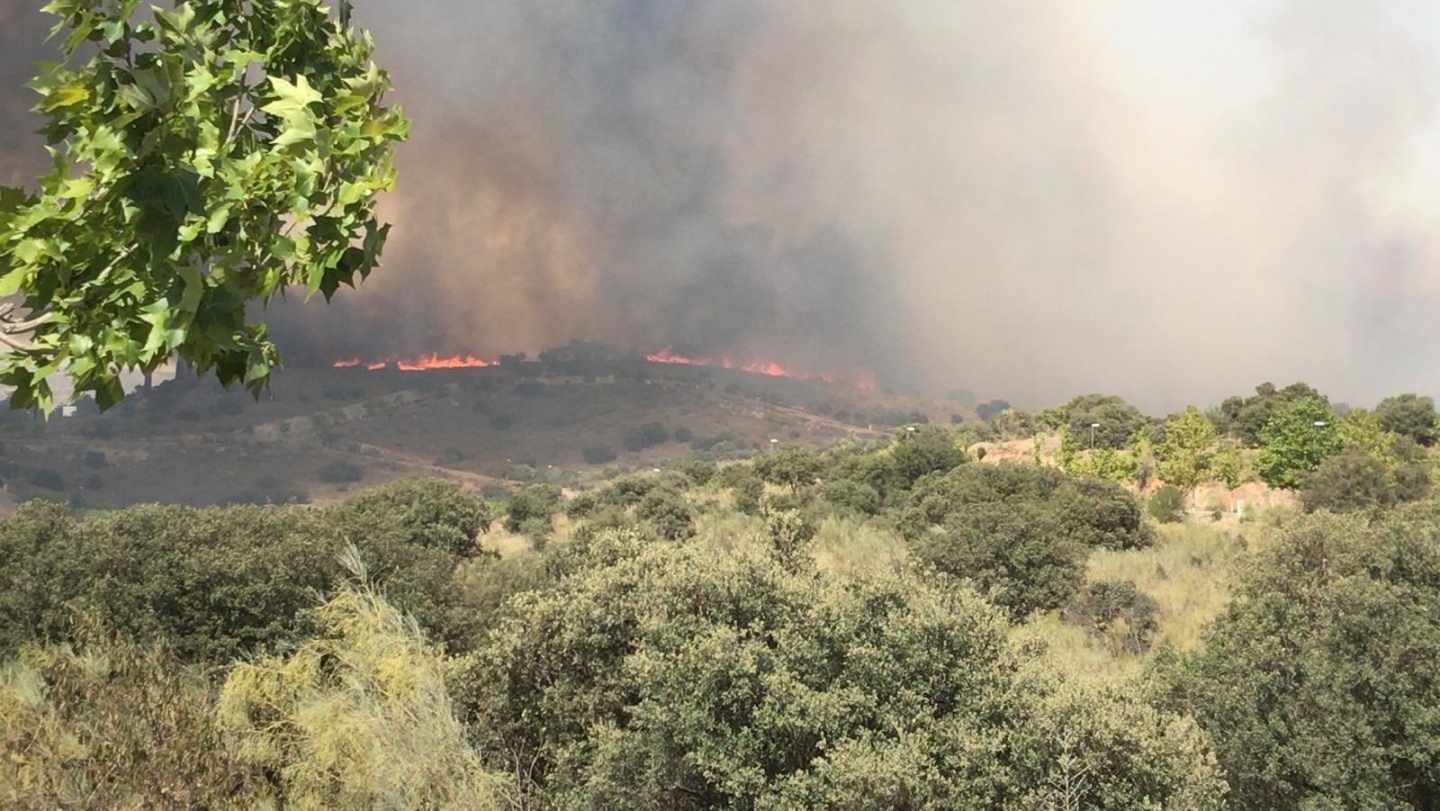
(1190, 572)
(357, 719)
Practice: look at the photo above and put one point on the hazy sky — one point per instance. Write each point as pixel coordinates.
(1170, 201)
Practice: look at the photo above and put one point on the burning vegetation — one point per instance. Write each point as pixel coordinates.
(593, 353)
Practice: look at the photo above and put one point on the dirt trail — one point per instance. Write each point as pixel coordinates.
(470, 479)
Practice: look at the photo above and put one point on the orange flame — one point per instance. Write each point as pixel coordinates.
(759, 367)
(423, 363)
(428, 362)
(862, 379)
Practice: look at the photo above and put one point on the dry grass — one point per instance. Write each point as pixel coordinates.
(1190, 572)
(843, 546)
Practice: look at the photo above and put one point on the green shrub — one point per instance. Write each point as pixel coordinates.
(1017, 554)
(217, 583)
(1310, 683)
(1167, 505)
(671, 676)
(113, 722)
(530, 509)
(1410, 415)
(1229, 467)
(852, 495)
(1295, 441)
(1090, 513)
(435, 514)
(666, 511)
(748, 491)
(1348, 481)
(699, 471)
(1117, 612)
(924, 451)
(789, 467)
(1102, 420)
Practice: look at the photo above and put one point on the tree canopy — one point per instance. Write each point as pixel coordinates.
(204, 157)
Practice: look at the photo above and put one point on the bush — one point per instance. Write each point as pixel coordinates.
(599, 454)
(923, 451)
(434, 514)
(748, 491)
(991, 409)
(340, 472)
(667, 512)
(701, 679)
(1308, 683)
(83, 729)
(1117, 419)
(699, 471)
(1017, 554)
(1247, 417)
(218, 583)
(1295, 441)
(358, 717)
(684, 435)
(852, 495)
(531, 508)
(1117, 612)
(1351, 480)
(1410, 415)
(789, 467)
(1167, 505)
(47, 479)
(1087, 512)
(646, 436)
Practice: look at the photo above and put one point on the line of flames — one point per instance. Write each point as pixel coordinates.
(760, 367)
(423, 363)
(666, 356)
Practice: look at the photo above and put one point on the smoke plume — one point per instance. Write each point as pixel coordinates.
(1027, 199)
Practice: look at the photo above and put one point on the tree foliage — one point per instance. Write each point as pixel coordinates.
(1310, 683)
(1294, 442)
(205, 156)
(221, 582)
(1410, 415)
(1101, 420)
(1188, 452)
(667, 676)
(1245, 417)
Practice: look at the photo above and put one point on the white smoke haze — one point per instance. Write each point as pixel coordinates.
(1172, 202)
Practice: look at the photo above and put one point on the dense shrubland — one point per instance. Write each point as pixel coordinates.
(888, 625)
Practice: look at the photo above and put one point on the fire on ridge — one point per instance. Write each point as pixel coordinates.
(666, 356)
(422, 363)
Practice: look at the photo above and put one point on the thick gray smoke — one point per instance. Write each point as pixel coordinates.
(1028, 199)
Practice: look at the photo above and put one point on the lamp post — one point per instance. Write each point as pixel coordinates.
(1093, 426)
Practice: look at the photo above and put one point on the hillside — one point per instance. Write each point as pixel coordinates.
(318, 433)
